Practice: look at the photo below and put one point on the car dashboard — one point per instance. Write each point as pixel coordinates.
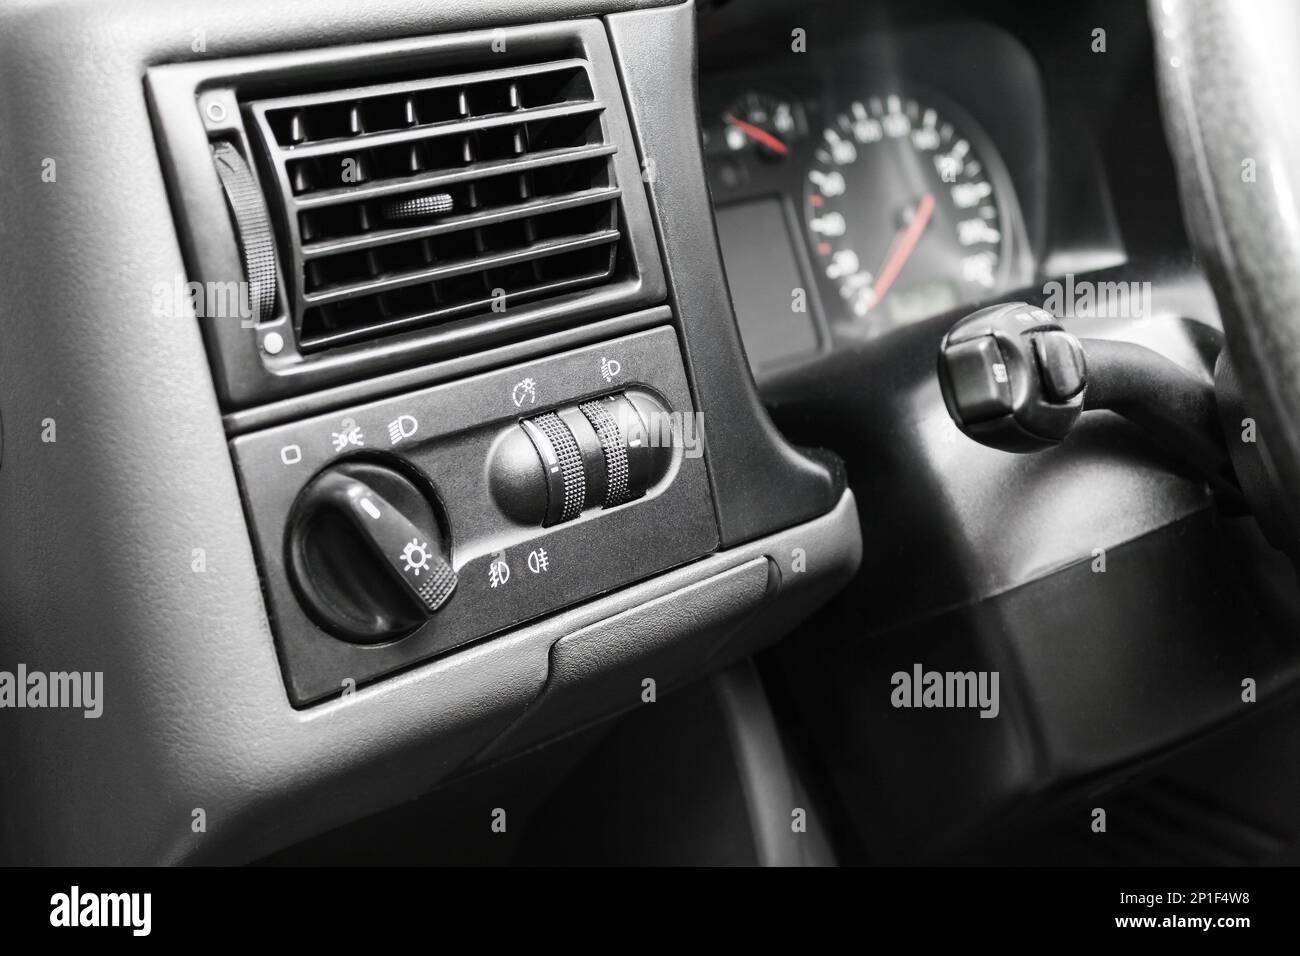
(407, 404)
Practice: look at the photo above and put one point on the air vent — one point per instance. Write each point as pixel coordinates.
(415, 204)
(431, 199)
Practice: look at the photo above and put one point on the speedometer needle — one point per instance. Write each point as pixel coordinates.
(758, 135)
(901, 248)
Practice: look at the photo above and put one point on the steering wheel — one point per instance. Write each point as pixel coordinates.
(1229, 73)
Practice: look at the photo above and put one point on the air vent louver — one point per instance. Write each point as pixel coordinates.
(416, 203)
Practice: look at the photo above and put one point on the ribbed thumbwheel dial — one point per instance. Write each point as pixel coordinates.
(562, 459)
(597, 454)
(366, 553)
(613, 449)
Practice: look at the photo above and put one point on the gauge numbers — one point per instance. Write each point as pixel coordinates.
(902, 215)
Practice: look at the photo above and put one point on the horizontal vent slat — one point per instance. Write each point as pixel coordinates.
(351, 94)
(342, 146)
(331, 340)
(434, 180)
(538, 250)
(450, 224)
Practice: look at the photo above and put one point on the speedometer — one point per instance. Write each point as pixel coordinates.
(902, 212)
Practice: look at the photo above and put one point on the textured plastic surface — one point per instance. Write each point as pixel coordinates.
(1094, 684)
(139, 485)
(195, 713)
(601, 669)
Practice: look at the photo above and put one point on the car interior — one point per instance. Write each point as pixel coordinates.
(649, 433)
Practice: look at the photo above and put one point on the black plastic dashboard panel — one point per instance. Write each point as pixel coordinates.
(197, 103)
(761, 483)
(455, 429)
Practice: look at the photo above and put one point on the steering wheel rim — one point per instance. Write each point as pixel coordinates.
(1229, 77)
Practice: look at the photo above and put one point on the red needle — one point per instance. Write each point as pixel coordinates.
(901, 248)
(758, 134)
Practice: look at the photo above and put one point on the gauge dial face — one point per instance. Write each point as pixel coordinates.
(761, 122)
(902, 213)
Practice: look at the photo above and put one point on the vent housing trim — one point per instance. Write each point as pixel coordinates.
(489, 197)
